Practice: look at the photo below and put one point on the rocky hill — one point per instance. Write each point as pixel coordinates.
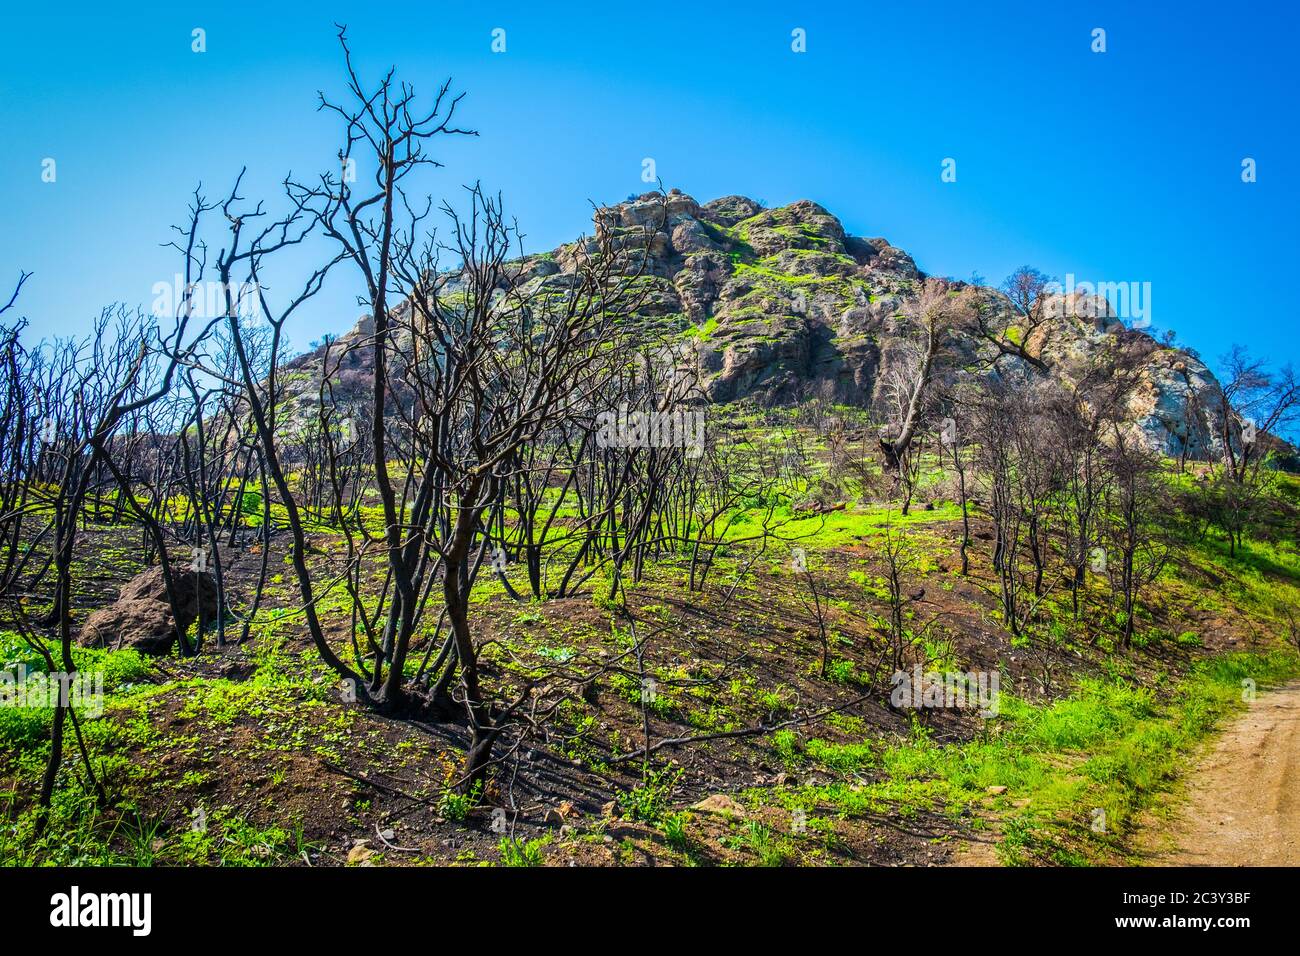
(782, 305)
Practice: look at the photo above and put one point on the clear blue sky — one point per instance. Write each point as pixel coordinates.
(1122, 166)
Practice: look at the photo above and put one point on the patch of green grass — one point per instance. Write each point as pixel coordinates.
(26, 727)
(841, 528)
(1107, 748)
(79, 834)
(846, 758)
(457, 806)
(758, 839)
(841, 671)
(649, 801)
(786, 744)
(703, 332)
(522, 853)
(674, 830)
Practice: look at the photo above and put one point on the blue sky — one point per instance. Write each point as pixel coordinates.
(1122, 166)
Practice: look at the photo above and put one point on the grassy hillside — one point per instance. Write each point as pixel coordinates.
(768, 745)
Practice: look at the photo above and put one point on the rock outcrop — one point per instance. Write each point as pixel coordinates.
(141, 618)
(781, 305)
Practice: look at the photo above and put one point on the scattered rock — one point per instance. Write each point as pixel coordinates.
(553, 817)
(141, 617)
(997, 791)
(720, 804)
(144, 625)
(360, 855)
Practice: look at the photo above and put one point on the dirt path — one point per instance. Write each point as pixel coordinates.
(1243, 806)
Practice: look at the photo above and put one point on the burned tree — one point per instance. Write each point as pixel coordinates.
(1137, 549)
(939, 311)
(1009, 322)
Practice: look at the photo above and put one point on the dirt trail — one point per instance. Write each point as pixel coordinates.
(1243, 806)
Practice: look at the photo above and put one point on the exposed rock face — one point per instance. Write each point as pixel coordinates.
(142, 619)
(781, 305)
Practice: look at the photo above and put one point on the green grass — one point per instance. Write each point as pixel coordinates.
(650, 801)
(1109, 748)
(26, 727)
(758, 839)
(457, 806)
(80, 835)
(1120, 746)
(840, 528)
(522, 853)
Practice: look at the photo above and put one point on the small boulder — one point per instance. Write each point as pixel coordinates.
(360, 855)
(720, 804)
(144, 625)
(192, 589)
(141, 617)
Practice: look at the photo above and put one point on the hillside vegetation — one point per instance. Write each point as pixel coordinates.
(719, 537)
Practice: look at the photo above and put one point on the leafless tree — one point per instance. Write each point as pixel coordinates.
(930, 320)
(1008, 323)
(1255, 403)
(900, 558)
(1137, 548)
(812, 602)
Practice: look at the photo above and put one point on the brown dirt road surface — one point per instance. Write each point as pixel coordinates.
(1243, 806)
